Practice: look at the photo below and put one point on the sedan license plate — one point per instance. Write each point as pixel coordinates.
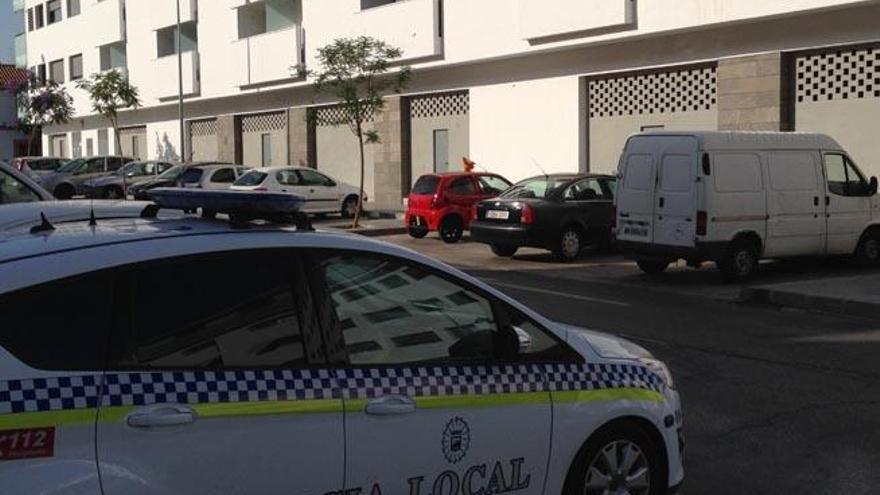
(498, 214)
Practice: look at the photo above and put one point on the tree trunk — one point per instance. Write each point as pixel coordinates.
(360, 205)
(31, 138)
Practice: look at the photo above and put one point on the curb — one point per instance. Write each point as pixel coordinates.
(848, 307)
(368, 232)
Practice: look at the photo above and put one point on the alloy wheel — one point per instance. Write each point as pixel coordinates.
(571, 244)
(620, 468)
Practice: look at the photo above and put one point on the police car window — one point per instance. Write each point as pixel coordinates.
(61, 325)
(392, 312)
(13, 190)
(225, 311)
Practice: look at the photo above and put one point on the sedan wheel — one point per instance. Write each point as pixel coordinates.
(349, 207)
(570, 244)
(451, 229)
(620, 468)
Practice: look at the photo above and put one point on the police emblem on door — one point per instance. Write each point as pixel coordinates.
(456, 440)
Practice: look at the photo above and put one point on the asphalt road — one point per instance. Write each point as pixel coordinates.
(775, 401)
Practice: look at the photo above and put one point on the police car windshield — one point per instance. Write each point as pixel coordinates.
(537, 187)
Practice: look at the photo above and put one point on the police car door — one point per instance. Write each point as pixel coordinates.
(217, 387)
(429, 408)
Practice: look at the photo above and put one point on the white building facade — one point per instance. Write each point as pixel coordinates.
(507, 83)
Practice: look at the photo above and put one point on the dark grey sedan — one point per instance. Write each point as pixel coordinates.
(115, 185)
(68, 181)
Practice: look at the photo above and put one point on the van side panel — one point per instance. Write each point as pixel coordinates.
(795, 204)
(736, 202)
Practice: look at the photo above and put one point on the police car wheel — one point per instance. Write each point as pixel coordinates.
(620, 458)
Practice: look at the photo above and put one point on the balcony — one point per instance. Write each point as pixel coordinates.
(547, 20)
(411, 25)
(166, 68)
(163, 13)
(112, 20)
(267, 57)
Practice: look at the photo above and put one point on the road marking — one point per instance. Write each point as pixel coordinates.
(557, 293)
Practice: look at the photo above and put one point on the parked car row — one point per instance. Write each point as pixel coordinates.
(730, 198)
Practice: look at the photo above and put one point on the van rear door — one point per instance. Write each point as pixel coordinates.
(635, 196)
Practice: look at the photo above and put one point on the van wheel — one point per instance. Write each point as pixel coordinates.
(868, 250)
(620, 458)
(451, 229)
(570, 245)
(503, 250)
(740, 263)
(652, 267)
(417, 232)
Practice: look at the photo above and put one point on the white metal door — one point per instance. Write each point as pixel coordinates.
(848, 209)
(675, 209)
(218, 395)
(635, 198)
(795, 208)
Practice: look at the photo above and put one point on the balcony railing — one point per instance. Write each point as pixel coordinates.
(268, 57)
(166, 67)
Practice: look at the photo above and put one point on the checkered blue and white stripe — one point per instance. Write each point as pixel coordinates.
(195, 387)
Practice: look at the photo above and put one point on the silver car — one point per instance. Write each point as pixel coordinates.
(68, 181)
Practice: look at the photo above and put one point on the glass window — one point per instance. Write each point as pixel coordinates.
(223, 176)
(492, 184)
(427, 184)
(610, 186)
(61, 325)
(73, 8)
(94, 166)
(287, 178)
(585, 190)
(13, 190)
(463, 186)
(844, 179)
(230, 310)
(391, 312)
(115, 163)
(536, 187)
(312, 178)
(56, 71)
(191, 176)
(53, 11)
(38, 16)
(252, 178)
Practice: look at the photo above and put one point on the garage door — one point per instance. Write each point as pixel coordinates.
(203, 140)
(439, 132)
(838, 93)
(675, 99)
(58, 146)
(337, 149)
(264, 139)
(133, 141)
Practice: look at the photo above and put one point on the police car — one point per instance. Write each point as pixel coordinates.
(191, 356)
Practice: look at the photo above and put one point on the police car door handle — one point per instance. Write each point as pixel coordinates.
(389, 405)
(162, 415)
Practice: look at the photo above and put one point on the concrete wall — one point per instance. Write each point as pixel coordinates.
(338, 156)
(515, 124)
(750, 93)
(432, 113)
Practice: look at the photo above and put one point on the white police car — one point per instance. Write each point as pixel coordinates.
(185, 356)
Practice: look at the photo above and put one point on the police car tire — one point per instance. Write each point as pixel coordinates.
(575, 483)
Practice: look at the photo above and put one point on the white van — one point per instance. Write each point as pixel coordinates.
(736, 197)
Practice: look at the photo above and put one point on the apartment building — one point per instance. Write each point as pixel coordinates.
(508, 83)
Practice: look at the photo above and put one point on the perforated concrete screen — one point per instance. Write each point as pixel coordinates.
(684, 98)
(439, 105)
(203, 139)
(264, 139)
(440, 132)
(335, 115)
(837, 92)
(264, 122)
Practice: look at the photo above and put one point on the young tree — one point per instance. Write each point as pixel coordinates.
(357, 72)
(40, 103)
(111, 92)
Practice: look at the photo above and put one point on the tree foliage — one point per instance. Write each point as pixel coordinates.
(40, 103)
(110, 92)
(357, 73)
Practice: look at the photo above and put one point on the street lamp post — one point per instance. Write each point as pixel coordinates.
(180, 87)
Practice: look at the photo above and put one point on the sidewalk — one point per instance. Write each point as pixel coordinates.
(853, 296)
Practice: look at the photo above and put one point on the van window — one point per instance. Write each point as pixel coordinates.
(844, 179)
(737, 172)
(793, 171)
(676, 173)
(638, 173)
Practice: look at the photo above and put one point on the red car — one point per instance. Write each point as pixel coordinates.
(444, 201)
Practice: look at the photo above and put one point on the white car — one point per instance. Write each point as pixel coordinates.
(323, 194)
(214, 176)
(187, 356)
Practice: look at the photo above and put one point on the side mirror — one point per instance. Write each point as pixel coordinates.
(872, 186)
(523, 339)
